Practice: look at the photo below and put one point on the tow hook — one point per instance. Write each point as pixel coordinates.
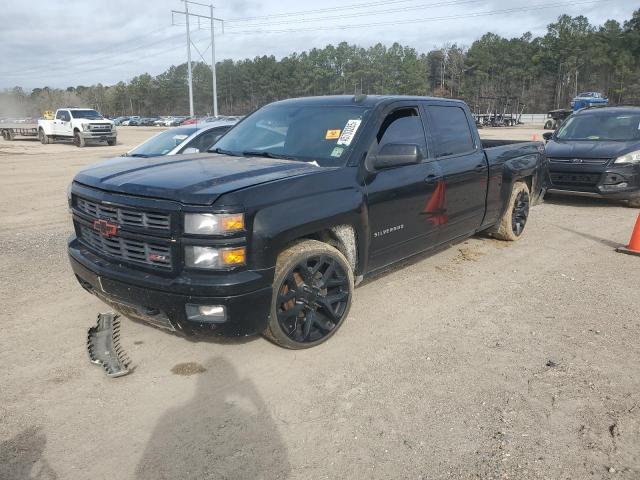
(103, 344)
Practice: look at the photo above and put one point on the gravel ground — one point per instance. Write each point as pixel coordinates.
(488, 360)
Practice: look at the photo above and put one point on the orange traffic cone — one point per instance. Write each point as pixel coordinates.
(534, 138)
(634, 244)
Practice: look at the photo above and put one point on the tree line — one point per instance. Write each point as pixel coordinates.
(542, 72)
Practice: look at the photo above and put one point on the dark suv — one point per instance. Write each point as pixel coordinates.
(596, 152)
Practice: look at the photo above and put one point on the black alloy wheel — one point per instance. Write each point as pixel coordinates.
(313, 299)
(520, 212)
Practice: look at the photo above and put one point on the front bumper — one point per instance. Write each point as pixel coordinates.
(162, 301)
(99, 136)
(619, 182)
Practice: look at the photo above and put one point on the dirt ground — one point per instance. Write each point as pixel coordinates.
(485, 361)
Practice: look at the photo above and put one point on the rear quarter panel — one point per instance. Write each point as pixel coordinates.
(509, 164)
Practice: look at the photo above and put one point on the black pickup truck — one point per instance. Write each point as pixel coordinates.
(270, 231)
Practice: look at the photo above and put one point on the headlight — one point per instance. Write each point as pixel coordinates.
(85, 127)
(632, 157)
(213, 223)
(214, 258)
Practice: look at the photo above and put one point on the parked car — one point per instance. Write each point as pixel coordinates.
(177, 121)
(82, 125)
(128, 121)
(271, 231)
(147, 121)
(119, 120)
(162, 121)
(596, 152)
(184, 139)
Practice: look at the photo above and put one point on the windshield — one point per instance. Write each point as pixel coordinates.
(318, 134)
(162, 143)
(87, 114)
(600, 126)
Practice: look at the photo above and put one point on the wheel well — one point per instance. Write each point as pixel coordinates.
(529, 181)
(342, 237)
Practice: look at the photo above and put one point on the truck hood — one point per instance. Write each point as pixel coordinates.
(589, 149)
(197, 179)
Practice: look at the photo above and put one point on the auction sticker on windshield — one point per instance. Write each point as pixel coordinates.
(332, 134)
(348, 132)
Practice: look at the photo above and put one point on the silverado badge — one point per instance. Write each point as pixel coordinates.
(105, 228)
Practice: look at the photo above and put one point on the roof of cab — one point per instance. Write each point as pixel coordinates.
(608, 110)
(356, 100)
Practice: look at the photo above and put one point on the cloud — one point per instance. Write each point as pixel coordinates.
(73, 42)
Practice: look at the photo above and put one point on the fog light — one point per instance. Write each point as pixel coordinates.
(206, 313)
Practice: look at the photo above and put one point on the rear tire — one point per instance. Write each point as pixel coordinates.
(44, 139)
(312, 292)
(514, 220)
(78, 141)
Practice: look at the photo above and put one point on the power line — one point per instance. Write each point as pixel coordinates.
(369, 13)
(93, 57)
(318, 10)
(93, 60)
(374, 12)
(417, 20)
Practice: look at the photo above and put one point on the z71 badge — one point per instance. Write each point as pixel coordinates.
(387, 231)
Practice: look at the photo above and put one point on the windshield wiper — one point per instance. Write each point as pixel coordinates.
(142, 155)
(265, 154)
(222, 151)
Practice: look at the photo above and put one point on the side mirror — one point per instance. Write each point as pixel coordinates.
(396, 155)
(191, 150)
(547, 136)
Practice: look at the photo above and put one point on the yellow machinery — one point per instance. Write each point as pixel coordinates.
(48, 115)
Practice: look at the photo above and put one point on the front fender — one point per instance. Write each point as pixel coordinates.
(275, 226)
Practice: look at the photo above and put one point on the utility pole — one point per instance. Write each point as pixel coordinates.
(212, 19)
(190, 75)
(213, 65)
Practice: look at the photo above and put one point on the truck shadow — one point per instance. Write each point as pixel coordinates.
(224, 431)
(21, 457)
(604, 241)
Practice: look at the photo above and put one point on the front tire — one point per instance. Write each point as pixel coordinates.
(313, 288)
(111, 143)
(634, 203)
(514, 220)
(78, 141)
(548, 125)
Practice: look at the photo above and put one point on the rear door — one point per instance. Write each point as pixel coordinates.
(396, 197)
(464, 169)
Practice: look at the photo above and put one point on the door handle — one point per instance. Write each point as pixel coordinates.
(480, 168)
(431, 178)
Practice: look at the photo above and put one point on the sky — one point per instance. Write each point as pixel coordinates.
(60, 43)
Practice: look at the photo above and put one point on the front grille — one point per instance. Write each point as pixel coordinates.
(586, 161)
(570, 179)
(100, 127)
(124, 216)
(146, 253)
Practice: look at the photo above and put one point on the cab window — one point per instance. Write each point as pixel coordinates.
(451, 131)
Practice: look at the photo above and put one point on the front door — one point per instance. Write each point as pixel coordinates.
(464, 170)
(62, 124)
(397, 197)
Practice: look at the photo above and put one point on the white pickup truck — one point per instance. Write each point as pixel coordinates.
(82, 125)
